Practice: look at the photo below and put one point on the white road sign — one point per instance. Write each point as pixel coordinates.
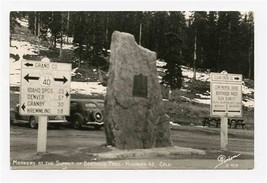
(45, 88)
(229, 78)
(226, 95)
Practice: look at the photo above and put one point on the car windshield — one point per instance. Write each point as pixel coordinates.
(101, 105)
(90, 105)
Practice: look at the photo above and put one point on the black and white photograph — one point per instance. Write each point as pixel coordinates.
(150, 90)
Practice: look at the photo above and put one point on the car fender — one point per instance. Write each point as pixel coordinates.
(78, 115)
(36, 118)
(15, 116)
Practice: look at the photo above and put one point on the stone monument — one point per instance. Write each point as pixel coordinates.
(133, 103)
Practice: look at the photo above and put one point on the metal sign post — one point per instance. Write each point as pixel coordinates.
(44, 91)
(226, 100)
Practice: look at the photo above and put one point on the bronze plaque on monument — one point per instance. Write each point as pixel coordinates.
(140, 86)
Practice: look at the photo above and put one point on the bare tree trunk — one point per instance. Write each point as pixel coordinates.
(100, 75)
(38, 32)
(80, 55)
(219, 55)
(180, 47)
(80, 48)
(107, 22)
(55, 41)
(140, 33)
(35, 24)
(61, 38)
(195, 57)
(68, 26)
(170, 94)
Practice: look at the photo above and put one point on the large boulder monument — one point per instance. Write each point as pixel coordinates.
(134, 117)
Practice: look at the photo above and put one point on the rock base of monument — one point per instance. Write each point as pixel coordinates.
(148, 153)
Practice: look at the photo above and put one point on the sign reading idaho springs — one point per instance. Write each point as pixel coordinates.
(45, 88)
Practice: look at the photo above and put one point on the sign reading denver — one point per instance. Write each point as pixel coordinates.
(45, 88)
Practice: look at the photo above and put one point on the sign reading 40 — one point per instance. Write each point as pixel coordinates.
(52, 81)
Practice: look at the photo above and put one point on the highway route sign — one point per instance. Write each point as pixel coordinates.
(45, 88)
(226, 78)
(226, 95)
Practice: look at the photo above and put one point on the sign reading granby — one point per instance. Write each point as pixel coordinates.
(45, 88)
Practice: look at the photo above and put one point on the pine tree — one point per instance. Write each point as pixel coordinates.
(212, 44)
(250, 45)
(173, 74)
(80, 35)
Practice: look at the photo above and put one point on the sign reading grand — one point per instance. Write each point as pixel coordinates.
(226, 95)
(45, 88)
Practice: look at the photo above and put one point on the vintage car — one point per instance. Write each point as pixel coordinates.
(54, 121)
(86, 112)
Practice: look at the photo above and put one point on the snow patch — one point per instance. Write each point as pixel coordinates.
(19, 48)
(23, 22)
(160, 63)
(161, 70)
(73, 72)
(189, 73)
(201, 101)
(174, 124)
(203, 96)
(186, 99)
(88, 88)
(184, 90)
(248, 103)
(66, 46)
(246, 90)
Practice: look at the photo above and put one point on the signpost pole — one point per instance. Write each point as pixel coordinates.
(42, 128)
(42, 134)
(224, 133)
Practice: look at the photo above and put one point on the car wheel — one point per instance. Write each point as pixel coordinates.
(77, 124)
(12, 118)
(32, 123)
(12, 122)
